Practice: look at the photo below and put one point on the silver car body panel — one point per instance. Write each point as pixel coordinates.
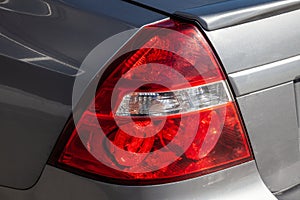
(270, 114)
(261, 59)
(291, 194)
(271, 120)
(240, 182)
(40, 57)
(259, 78)
(230, 13)
(257, 43)
(216, 14)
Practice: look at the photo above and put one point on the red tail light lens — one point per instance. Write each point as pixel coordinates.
(163, 113)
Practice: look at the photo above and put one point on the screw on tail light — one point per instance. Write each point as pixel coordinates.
(163, 113)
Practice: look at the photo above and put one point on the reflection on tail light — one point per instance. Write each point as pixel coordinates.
(164, 113)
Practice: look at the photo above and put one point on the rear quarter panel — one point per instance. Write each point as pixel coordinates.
(40, 56)
(262, 63)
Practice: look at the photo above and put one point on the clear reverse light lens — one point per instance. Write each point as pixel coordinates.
(174, 102)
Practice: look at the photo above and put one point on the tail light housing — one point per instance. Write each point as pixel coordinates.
(163, 112)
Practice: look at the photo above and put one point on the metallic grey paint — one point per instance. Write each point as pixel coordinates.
(265, 76)
(230, 13)
(263, 54)
(257, 43)
(46, 52)
(271, 120)
(216, 14)
(240, 182)
(40, 57)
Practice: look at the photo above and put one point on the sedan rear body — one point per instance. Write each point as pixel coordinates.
(142, 68)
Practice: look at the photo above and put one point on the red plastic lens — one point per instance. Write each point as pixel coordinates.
(182, 141)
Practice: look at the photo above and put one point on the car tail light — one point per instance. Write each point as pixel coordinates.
(163, 113)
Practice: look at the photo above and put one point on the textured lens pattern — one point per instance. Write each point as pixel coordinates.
(162, 113)
(175, 102)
